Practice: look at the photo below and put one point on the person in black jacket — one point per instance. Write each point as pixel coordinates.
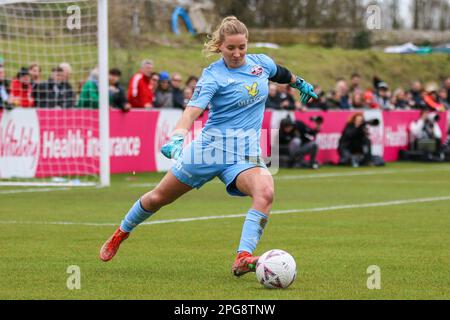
(54, 93)
(354, 145)
(177, 91)
(300, 141)
(117, 97)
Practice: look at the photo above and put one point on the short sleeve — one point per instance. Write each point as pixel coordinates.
(268, 64)
(204, 91)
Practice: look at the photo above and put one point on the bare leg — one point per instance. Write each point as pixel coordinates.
(258, 184)
(168, 190)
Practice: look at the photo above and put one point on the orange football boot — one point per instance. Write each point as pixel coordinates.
(244, 263)
(110, 247)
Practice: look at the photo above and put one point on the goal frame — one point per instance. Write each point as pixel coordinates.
(103, 111)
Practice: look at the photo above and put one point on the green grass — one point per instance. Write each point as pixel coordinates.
(192, 260)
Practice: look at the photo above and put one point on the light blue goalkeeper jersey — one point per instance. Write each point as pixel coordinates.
(237, 99)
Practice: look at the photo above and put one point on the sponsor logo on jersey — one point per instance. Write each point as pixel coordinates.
(253, 90)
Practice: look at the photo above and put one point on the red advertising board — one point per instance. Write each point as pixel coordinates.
(42, 142)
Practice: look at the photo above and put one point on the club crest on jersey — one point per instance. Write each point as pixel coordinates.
(257, 70)
(253, 90)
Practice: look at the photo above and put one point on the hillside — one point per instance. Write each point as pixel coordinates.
(317, 64)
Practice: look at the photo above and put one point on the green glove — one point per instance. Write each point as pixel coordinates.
(306, 90)
(173, 148)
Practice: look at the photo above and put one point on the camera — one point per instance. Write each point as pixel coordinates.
(373, 122)
(429, 123)
(434, 118)
(316, 119)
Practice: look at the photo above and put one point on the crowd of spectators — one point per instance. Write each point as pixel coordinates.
(146, 89)
(150, 89)
(350, 95)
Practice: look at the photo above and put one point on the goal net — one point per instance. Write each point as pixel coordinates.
(52, 88)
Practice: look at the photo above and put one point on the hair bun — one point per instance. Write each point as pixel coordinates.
(229, 18)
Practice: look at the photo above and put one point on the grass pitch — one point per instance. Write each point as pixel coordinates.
(336, 222)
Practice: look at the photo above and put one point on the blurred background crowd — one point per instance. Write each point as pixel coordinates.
(149, 88)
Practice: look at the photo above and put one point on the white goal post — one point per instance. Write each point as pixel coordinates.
(54, 95)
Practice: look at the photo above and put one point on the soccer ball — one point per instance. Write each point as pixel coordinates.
(276, 269)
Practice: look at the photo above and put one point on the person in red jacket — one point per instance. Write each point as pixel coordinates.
(21, 89)
(431, 97)
(140, 93)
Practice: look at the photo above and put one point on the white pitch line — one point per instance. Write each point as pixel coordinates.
(274, 212)
(31, 190)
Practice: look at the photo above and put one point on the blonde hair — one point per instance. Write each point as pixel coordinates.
(229, 26)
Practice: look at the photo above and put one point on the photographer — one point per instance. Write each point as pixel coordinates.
(354, 145)
(299, 141)
(426, 136)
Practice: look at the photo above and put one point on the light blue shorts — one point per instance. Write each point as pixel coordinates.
(195, 171)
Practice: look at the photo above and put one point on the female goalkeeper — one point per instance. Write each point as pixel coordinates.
(236, 88)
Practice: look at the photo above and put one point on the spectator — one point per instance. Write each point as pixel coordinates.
(400, 100)
(89, 92)
(417, 95)
(287, 101)
(426, 135)
(273, 99)
(443, 98)
(55, 93)
(357, 99)
(342, 94)
(164, 95)
(354, 145)
(67, 71)
(4, 87)
(140, 91)
(177, 92)
(431, 97)
(154, 81)
(117, 98)
(21, 89)
(191, 82)
(447, 87)
(332, 100)
(320, 102)
(382, 96)
(300, 140)
(355, 83)
(35, 73)
(187, 95)
(426, 127)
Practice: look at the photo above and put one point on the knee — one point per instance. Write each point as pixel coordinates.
(264, 197)
(154, 200)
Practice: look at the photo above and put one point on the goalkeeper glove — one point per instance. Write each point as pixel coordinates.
(306, 90)
(173, 148)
